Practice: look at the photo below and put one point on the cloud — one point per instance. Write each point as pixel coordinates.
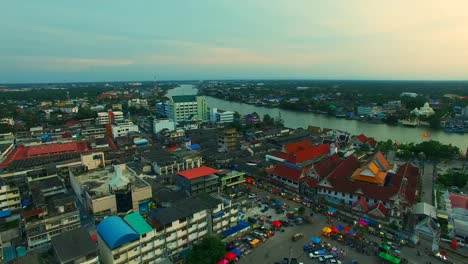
(66, 64)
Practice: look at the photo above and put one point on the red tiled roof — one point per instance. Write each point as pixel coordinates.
(281, 155)
(312, 183)
(341, 182)
(288, 173)
(326, 166)
(310, 153)
(295, 147)
(379, 207)
(362, 138)
(362, 203)
(458, 200)
(34, 212)
(197, 172)
(372, 142)
(283, 186)
(22, 152)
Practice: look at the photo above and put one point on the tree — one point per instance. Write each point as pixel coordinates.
(301, 211)
(385, 146)
(268, 120)
(453, 178)
(210, 250)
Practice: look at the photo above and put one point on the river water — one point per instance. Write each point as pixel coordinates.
(294, 119)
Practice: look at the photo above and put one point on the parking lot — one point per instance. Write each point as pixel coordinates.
(281, 246)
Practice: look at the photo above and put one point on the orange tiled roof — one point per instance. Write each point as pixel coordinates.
(382, 160)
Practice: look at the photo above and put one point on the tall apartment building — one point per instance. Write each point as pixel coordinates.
(138, 103)
(164, 232)
(187, 107)
(227, 140)
(219, 116)
(51, 216)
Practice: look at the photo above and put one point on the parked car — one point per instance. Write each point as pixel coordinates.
(297, 236)
(252, 196)
(265, 209)
(317, 254)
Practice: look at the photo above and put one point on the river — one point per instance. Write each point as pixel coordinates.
(294, 119)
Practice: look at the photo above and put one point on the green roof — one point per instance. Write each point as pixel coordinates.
(184, 98)
(138, 223)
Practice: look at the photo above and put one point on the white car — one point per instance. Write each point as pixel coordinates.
(316, 254)
(252, 196)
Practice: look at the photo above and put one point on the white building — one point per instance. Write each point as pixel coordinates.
(102, 118)
(220, 116)
(161, 124)
(122, 128)
(69, 109)
(409, 94)
(426, 110)
(116, 116)
(187, 107)
(9, 198)
(138, 103)
(7, 121)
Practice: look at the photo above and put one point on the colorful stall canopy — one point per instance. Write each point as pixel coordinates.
(340, 228)
(230, 256)
(334, 230)
(315, 240)
(331, 211)
(362, 223)
(277, 224)
(223, 261)
(326, 229)
(347, 229)
(389, 258)
(352, 232)
(237, 252)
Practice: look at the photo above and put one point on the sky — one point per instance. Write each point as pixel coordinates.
(116, 40)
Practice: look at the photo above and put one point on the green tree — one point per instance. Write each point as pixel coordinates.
(453, 178)
(210, 250)
(268, 120)
(385, 146)
(301, 211)
(5, 128)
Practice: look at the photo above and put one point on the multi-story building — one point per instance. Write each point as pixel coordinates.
(110, 190)
(167, 163)
(69, 109)
(122, 128)
(102, 118)
(162, 109)
(75, 247)
(9, 198)
(51, 216)
(7, 121)
(366, 111)
(161, 124)
(220, 116)
(138, 103)
(198, 180)
(230, 179)
(227, 140)
(187, 107)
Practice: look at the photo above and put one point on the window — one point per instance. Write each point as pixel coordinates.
(351, 196)
(116, 257)
(143, 236)
(56, 223)
(336, 193)
(342, 195)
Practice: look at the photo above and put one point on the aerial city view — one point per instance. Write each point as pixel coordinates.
(221, 132)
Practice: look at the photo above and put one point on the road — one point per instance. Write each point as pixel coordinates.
(281, 246)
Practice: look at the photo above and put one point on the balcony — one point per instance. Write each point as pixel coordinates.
(181, 233)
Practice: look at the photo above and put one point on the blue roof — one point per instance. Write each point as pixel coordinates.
(115, 232)
(218, 215)
(187, 139)
(195, 147)
(9, 253)
(236, 252)
(241, 226)
(5, 213)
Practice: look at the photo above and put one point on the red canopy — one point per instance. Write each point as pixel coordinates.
(277, 223)
(230, 256)
(334, 230)
(223, 261)
(94, 238)
(347, 229)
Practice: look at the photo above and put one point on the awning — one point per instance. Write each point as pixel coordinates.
(347, 230)
(334, 230)
(223, 261)
(315, 240)
(331, 211)
(340, 228)
(326, 230)
(5, 213)
(230, 256)
(276, 223)
(237, 252)
(362, 223)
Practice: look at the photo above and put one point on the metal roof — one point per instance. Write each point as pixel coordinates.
(197, 172)
(115, 232)
(138, 223)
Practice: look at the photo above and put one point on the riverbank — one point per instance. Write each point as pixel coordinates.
(293, 119)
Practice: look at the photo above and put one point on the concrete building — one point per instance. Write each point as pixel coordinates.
(187, 107)
(169, 163)
(138, 103)
(198, 180)
(7, 121)
(123, 128)
(162, 109)
(9, 198)
(219, 116)
(160, 124)
(102, 118)
(51, 216)
(69, 109)
(227, 140)
(230, 179)
(75, 247)
(110, 190)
